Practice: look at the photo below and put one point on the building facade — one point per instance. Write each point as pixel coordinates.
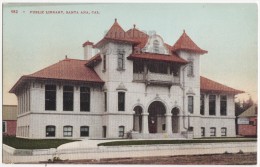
(135, 85)
(9, 120)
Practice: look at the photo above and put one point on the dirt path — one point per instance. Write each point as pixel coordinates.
(215, 159)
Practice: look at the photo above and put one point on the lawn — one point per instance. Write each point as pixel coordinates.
(19, 143)
(148, 142)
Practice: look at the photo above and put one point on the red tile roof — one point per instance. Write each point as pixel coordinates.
(94, 60)
(116, 34)
(139, 36)
(157, 57)
(185, 43)
(207, 85)
(67, 69)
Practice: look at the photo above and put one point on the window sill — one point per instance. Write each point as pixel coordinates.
(120, 69)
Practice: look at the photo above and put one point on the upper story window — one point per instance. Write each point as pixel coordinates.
(50, 97)
(156, 46)
(190, 69)
(120, 59)
(212, 104)
(121, 101)
(223, 105)
(190, 104)
(104, 62)
(84, 99)
(67, 98)
(138, 67)
(161, 68)
(202, 104)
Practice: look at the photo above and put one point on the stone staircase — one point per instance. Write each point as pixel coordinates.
(177, 136)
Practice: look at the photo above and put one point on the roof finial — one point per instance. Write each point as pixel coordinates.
(66, 57)
(134, 25)
(115, 19)
(183, 30)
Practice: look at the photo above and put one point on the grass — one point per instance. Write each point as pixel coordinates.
(149, 142)
(20, 143)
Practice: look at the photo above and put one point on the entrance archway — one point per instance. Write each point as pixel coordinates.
(156, 117)
(175, 120)
(137, 124)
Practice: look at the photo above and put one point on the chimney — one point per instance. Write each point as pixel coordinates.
(88, 50)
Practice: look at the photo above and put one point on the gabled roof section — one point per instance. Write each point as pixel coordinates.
(157, 57)
(208, 86)
(139, 36)
(250, 112)
(185, 43)
(116, 34)
(67, 69)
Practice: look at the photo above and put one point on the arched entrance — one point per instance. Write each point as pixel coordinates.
(156, 118)
(175, 120)
(137, 124)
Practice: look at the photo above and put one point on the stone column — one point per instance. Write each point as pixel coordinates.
(145, 123)
(168, 123)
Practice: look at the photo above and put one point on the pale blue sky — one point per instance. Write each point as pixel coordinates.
(227, 31)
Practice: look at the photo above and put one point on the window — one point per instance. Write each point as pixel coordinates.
(50, 97)
(190, 104)
(50, 131)
(163, 127)
(84, 131)
(161, 68)
(121, 60)
(105, 94)
(84, 99)
(121, 101)
(202, 104)
(67, 131)
(68, 98)
(138, 67)
(223, 105)
(212, 105)
(4, 127)
(202, 131)
(212, 131)
(190, 68)
(121, 131)
(104, 62)
(223, 131)
(156, 46)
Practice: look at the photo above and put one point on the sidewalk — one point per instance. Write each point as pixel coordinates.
(88, 149)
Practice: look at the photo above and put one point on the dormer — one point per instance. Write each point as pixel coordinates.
(155, 44)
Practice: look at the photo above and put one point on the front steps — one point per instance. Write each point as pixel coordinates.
(158, 136)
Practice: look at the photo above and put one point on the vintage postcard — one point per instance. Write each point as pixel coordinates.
(130, 83)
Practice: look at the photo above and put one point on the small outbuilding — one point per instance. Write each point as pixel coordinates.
(247, 122)
(9, 120)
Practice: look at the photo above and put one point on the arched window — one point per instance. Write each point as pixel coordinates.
(67, 131)
(50, 131)
(156, 46)
(84, 131)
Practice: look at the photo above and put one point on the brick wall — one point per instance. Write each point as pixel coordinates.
(11, 128)
(248, 130)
